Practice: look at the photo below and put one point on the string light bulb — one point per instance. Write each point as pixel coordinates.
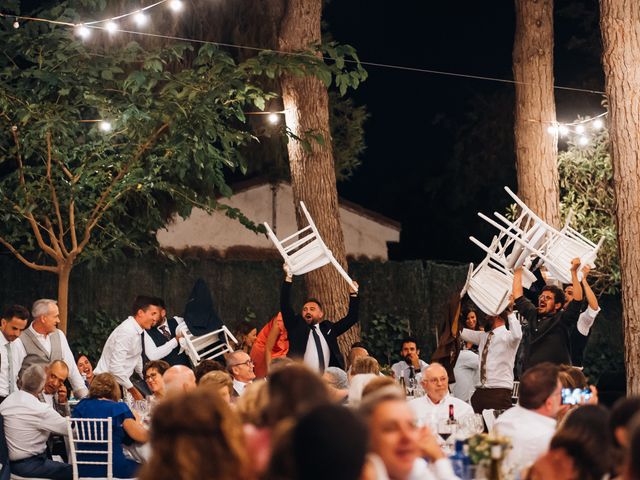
(176, 5)
(16, 23)
(111, 27)
(105, 126)
(140, 18)
(83, 32)
(580, 129)
(563, 129)
(597, 124)
(273, 118)
(552, 129)
(583, 141)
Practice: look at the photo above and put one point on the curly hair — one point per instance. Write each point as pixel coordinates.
(105, 385)
(196, 436)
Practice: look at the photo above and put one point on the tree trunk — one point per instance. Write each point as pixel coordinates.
(536, 148)
(64, 273)
(313, 176)
(619, 20)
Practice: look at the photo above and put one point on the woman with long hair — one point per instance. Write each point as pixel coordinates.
(196, 436)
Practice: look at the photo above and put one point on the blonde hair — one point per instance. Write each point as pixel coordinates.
(365, 365)
(251, 405)
(217, 379)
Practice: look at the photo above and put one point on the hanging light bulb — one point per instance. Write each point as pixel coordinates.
(16, 23)
(111, 27)
(83, 32)
(597, 124)
(583, 141)
(552, 129)
(105, 126)
(563, 130)
(176, 5)
(580, 129)
(273, 118)
(141, 19)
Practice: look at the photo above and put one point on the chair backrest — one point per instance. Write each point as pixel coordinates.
(489, 418)
(208, 346)
(490, 287)
(90, 443)
(515, 393)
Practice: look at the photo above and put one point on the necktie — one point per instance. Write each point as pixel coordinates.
(316, 339)
(164, 331)
(483, 359)
(10, 366)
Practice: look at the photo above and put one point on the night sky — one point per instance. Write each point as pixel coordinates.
(439, 148)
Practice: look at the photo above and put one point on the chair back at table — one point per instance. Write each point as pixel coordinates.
(90, 443)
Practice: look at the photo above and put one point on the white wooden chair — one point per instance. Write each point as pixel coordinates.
(208, 346)
(490, 286)
(304, 250)
(515, 392)
(90, 443)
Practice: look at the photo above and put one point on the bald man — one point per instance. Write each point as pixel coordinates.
(179, 379)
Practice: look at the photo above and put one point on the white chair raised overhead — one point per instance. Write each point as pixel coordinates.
(304, 250)
(90, 443)
(489, 286)
(529, 234)
(208, 346)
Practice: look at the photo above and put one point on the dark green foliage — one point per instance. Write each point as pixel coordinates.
(91, 332)
(382, 337)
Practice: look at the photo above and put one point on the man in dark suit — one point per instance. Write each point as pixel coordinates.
(311, 337)
(160, 342)
(549, 324)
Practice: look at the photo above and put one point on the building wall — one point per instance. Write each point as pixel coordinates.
(364, 237)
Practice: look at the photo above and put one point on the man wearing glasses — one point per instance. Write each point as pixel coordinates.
(549, 325)
(240, 367)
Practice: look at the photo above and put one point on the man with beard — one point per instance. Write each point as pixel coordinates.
(549, 325)
(497, 347)
(311, 336)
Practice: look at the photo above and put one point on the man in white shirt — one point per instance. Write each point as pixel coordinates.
(410, 366)
(434, 406)
(28, 422)
(240, 367)
(122, 352)
(14, 321)
(497, 348)
(531, 424)
(467, 373)
(42, 343)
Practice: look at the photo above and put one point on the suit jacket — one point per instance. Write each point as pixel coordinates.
(298, 330)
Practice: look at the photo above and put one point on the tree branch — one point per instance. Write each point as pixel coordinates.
(29, 264)
(56, 204)
(99, 209)
(72, 225)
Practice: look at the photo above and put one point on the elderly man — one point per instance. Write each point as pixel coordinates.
(531, 424)
(55, 392)
(311, 336)
(122, 352)
(28, 423)
(42, 343)
(434, 406)
(240, 367)
(14, 321)
(178, 379)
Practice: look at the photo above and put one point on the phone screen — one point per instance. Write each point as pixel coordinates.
(575, 396)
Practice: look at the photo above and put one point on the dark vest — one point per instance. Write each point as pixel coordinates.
(36, 354)
(173, 358)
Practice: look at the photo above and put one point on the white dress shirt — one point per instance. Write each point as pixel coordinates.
(502, 352)
(75, 378)
(122, 352)
(439, 470)
(586, 319)
(28, 422)
(17, 356)
(467, 373)
(239, 386)
(311, 353)
(530, 435)
(427, 411)
(401, 369)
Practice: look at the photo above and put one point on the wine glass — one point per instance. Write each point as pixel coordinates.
(446, 429)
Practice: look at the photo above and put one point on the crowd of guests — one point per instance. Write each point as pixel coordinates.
(285, 403)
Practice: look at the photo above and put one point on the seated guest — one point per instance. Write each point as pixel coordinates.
(178, 379)
(55, 392)
(86, 369)
(240, 366)
(42, 343)
(153, 372)
(337, 382)
(621, 414)
(632, 466)
(357, 385)
(365, 365)
(434, 406)
(196, 436)
(122, 352)
(28, 422)
(357, 350)
(398, 447)
(14, 321)
(206, 366)
(104, 402)
(376, 384)
(246, 334)
(532, 422)
(272, 342)
(411, 365)
(221, 382)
